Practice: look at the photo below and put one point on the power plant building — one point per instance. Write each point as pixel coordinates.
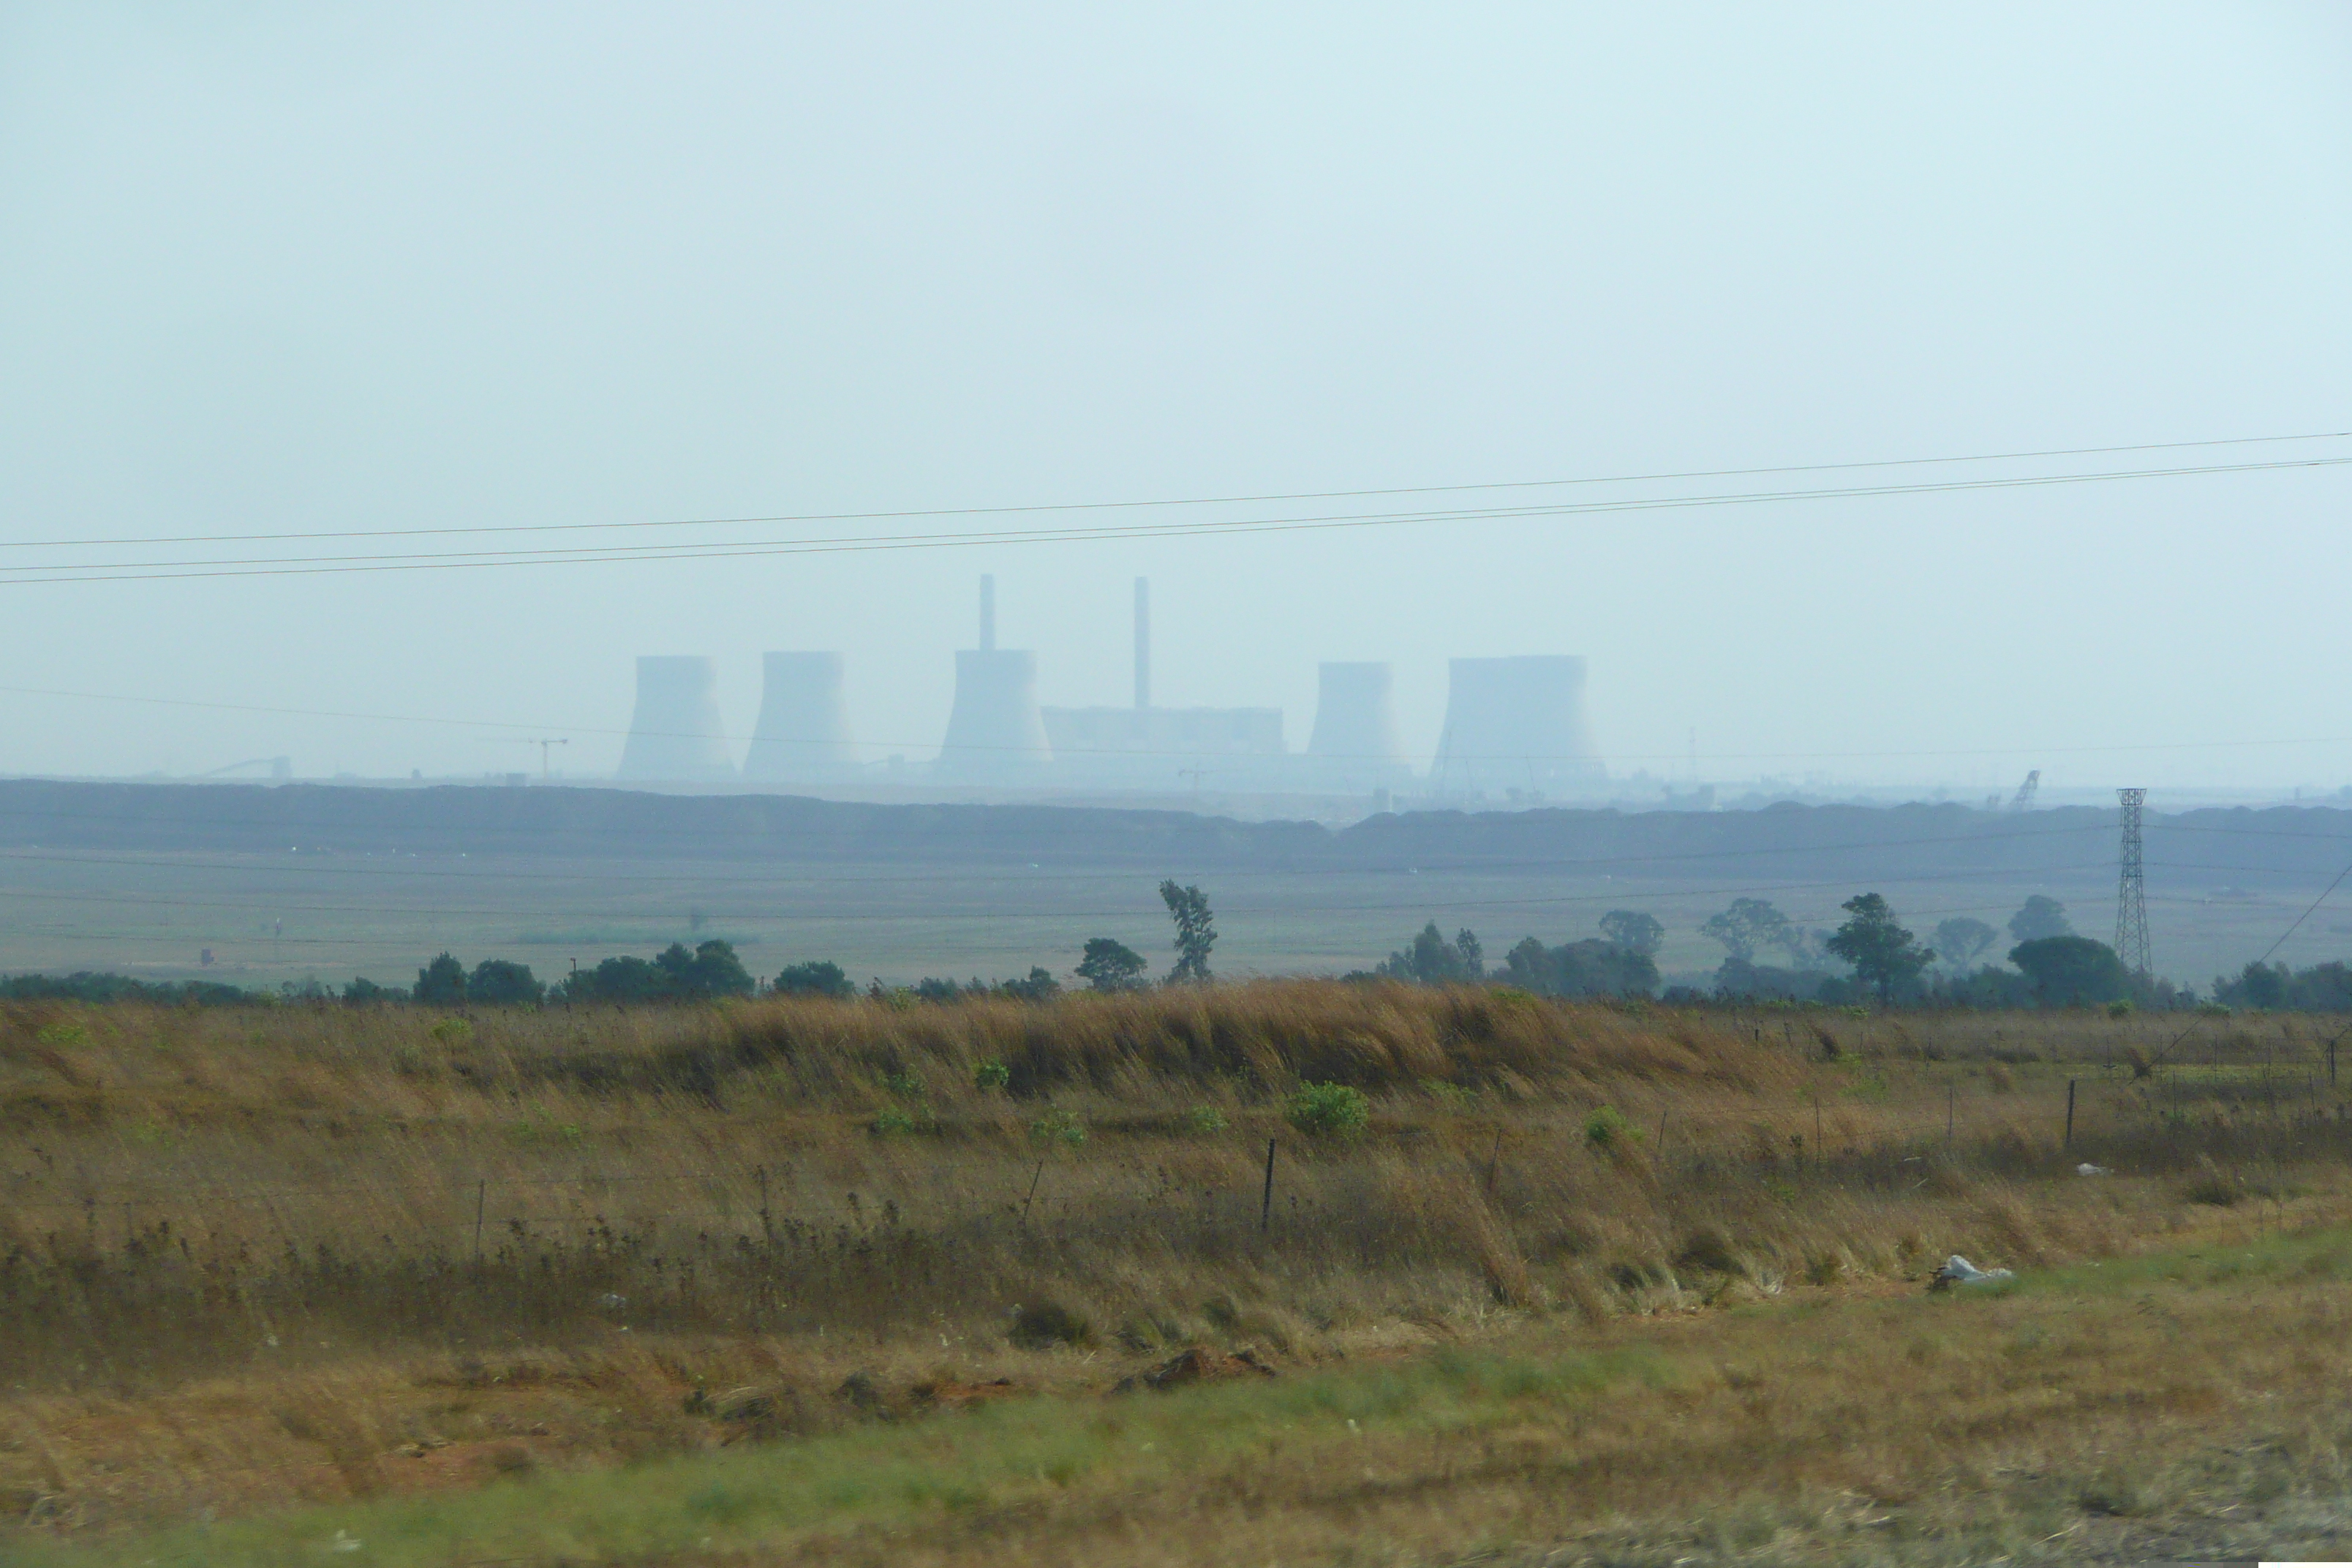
(1147, 745)
(1518, 722)
(802, 732)
(994, 732)
(676, 735)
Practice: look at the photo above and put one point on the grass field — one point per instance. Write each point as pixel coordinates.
(268, 919)
(854, 1282)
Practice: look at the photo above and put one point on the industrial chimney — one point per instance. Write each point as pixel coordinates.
(1354, 743)
(803, 727)
(1516, 721)
(1142, 643)
(676, 735)
(993, 730)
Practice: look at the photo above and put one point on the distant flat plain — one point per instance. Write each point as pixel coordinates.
(991, 896)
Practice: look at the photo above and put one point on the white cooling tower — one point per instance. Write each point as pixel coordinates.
(676, 735)
(1514, 722)
(803, 727)
(1355, 716)
(994, 730)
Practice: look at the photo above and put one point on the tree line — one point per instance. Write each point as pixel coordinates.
(1871, 956)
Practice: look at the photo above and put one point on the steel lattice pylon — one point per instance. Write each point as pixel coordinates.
(2131, 890)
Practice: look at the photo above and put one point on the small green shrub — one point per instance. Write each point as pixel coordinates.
(1058, 1126)
(895, 1121)
(2120, 1007)
(449, 1031)
(991, 1075)
(1329, 1110)
(1044, 1325)
(2213, 1190)
(906, 1085)
(1202, 1121)
(1607, 1128)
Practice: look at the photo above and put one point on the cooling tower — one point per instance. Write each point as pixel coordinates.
(1354, 743)
(676, 735)
(994, 730)
(803, 727)
(1513, 722)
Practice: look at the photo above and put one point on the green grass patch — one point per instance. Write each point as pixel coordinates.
(999, 1455)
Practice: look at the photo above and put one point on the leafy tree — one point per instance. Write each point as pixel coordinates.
(1633, 931)
(2040, 916)
(2071, 969)
(498, 983)
(1196, 931)
(623, 978)
(1588, 968)
(1749, 926)
(711, 970)
(1110, 965)
(441, 984)
(818, 977)
(1041, 986)
(1880, 950)
(1431, 960)
(1961, 938)
(2321, 988)
(362, 990)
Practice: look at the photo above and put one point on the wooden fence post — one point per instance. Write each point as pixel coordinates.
(1265, 1203)
(1033, 1191)
(2069, 1143)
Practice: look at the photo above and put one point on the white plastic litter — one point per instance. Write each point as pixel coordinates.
(1958, 1270)
(2087, 1169)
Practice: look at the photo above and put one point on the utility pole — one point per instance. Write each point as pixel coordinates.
(2131, 892)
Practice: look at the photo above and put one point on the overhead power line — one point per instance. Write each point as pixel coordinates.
(1265, 499)
(443, 561)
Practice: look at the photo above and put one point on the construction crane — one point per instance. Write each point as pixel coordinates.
(2023, 799)
(545, 747)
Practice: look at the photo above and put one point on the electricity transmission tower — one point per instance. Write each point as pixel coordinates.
(2131, 890)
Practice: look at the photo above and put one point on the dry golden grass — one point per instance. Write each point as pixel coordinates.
(239, 1265)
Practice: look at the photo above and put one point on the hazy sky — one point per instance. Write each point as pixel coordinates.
(298, 268)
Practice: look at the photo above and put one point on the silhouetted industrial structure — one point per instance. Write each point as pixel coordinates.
(993, 730)
(1154, 747)
(676, 735)
(802, 732)
(1514, 723)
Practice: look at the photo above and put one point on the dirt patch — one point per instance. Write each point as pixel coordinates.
(1197, 1365)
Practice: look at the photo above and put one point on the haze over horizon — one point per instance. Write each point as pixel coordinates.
(293, 270)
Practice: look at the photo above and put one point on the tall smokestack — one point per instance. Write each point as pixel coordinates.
(988, 612)
(1143, 642)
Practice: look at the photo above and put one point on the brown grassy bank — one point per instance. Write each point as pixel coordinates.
(341, 1232)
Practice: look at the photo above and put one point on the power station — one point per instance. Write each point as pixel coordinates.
(994, 732)
(676, 735)
(1355, 745)
(1144, 745)
(1514, 726)
(803, 732)
(1514, 723)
